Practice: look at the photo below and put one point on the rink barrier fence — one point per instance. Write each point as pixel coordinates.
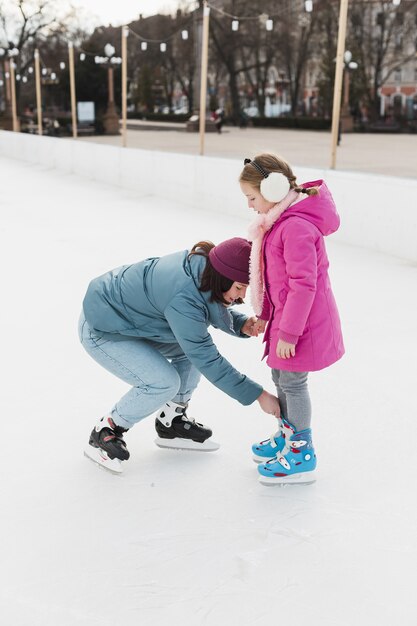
(377, 212)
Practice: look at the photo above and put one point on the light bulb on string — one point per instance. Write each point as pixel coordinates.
(235, 25)
(144, 45)
(62, 65)
(269, 24)
(396, 3)
(44, 71)
(30, 70)
(308, 6)
(24, 79)
(82, 56)
(184, 34)
(163, 47)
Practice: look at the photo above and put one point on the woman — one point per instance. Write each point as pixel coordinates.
(147, 323)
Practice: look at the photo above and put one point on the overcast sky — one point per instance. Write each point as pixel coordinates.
(124, 11)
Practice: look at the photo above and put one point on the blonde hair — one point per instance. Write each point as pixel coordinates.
(272, 163)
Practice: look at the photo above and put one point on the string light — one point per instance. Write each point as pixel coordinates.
(269, 24)
(235, 25)
(163, 47)
(62, 65)
(396, 3)
(144, 41)
(308, 6)
(263, 17)
(82, 56)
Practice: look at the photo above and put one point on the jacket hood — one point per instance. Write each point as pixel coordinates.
(320, 210)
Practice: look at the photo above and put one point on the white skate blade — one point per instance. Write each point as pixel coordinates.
(260, 459)
(303, 478)
(187, 444)
(100, 458)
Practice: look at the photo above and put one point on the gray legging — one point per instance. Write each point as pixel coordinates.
(293, 397)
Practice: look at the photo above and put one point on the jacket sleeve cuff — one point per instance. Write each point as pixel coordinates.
(287, 337)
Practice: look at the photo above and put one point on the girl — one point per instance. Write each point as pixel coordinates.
(147, 324)
(290, 289)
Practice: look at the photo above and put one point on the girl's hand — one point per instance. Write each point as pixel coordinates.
(250, 327)
(260, 325)
(285, 350)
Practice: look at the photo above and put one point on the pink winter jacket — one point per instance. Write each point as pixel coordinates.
(299, 302)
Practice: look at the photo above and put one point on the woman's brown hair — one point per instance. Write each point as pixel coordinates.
(211, 280)
(272, 163)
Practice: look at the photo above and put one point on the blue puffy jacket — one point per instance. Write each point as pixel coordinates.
(159, 299)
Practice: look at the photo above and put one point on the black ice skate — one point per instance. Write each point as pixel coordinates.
(176, 430)
(107, 446)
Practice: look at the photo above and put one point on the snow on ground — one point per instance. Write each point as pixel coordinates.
(187, 538)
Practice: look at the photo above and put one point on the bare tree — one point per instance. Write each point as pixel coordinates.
(382, 39)
(259, 53)
(27, 24)
(296, 29)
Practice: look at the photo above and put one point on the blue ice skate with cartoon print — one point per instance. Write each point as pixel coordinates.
(268, 448)
(295, 463)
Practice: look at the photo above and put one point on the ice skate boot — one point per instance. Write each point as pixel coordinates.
(268, 448)
(107, 447)
(295, 463)
(176, 430)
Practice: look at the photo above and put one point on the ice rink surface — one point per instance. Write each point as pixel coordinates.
(193, 538)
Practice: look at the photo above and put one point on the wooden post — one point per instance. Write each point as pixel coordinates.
(337, 96)
(203, 85)
(13, 93)
(72, 89)
(7, 78)
(38, 92)
(125, 33)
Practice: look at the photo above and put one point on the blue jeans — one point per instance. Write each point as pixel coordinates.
(158, 372)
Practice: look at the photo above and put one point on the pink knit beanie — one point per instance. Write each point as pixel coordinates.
(231, 259)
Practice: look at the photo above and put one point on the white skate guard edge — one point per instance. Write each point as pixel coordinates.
(101, 459)
(187, 444)
(303, 478)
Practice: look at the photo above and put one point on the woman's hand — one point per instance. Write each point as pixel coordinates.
(253, 326)
(285, 350)
(260, 325)
(269, 403)
(250, 327)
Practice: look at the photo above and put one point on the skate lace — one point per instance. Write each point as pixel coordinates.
(275, 435)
